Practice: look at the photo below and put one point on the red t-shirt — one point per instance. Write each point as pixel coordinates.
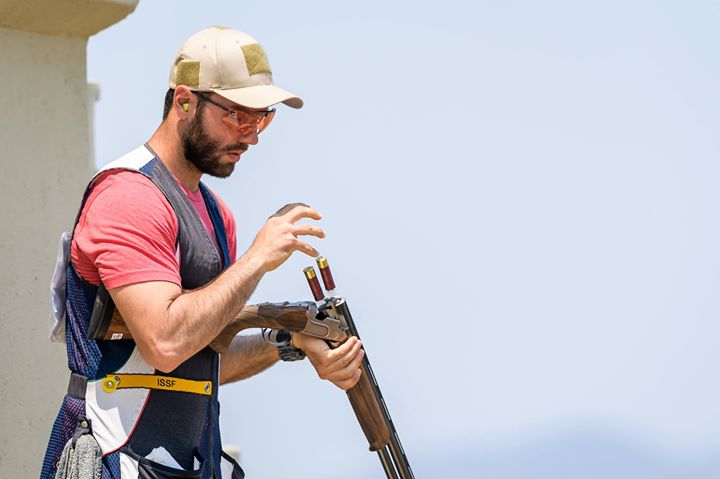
(127, 231)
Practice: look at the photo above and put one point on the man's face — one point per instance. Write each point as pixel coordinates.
(209, 155)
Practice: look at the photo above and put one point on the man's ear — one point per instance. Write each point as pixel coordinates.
(183, 100)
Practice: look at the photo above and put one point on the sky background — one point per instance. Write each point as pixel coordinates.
(521, 209)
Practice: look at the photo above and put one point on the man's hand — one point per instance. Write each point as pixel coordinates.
(341, 365)
(278, 238)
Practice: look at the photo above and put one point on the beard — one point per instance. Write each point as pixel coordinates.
(204, 152)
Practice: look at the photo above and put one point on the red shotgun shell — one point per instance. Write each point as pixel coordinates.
(325, 273)
(314, 283)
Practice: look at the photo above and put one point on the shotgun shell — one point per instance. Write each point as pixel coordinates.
(314, 283)
(326, 273)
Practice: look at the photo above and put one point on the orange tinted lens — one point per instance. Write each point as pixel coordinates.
(265, 120)
(246, 122)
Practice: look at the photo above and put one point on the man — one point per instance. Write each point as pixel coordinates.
(163, 245)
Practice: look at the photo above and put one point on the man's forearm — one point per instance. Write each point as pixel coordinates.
(247, 355)
(169, 331)
(197, 317)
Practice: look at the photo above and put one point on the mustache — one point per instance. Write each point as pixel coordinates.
(237, 147)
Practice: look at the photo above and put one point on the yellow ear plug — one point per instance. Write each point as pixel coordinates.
(186, 106)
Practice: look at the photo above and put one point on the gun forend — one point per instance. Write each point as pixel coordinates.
(368, 411)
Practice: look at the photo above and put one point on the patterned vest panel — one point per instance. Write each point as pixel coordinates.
(130, 424)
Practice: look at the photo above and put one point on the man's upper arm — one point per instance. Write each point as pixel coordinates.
(145, 309)
(126, 233)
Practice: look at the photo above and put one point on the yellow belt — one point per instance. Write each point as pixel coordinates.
(113, 382)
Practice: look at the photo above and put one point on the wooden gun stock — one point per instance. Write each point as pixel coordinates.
(293, 317)
(107, 323)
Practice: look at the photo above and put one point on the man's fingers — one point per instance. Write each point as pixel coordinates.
(295, 211)
(341, 361)
(343, 366)
(352, 343)
(348, 383)
(350, 373)
(333, 360)
(308, 229)
(287, 208)
(356, 362)
(302, 211)
(307, 249)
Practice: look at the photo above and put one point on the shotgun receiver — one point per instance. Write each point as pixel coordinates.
(365, 397)
(106, 322)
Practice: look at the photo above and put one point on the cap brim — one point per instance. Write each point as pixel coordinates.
(261, 96)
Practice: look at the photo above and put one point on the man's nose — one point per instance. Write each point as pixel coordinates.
(249, 138)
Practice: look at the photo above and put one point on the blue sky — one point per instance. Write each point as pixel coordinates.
(521, 208)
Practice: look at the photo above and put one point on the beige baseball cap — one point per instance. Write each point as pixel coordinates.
(231, 64)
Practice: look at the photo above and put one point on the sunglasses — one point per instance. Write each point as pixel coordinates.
(243, 121)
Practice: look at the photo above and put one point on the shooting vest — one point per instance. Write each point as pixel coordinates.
(132, 423)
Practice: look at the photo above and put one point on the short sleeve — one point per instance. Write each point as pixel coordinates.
(126, 233)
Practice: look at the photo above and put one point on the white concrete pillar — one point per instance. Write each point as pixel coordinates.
(45, 162)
